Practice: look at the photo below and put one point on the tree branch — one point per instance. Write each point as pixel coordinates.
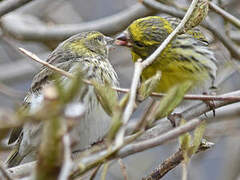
(108, 25)
(225, 14)
(172, 162)
(10, 5)
(123, 90)
(159, 134)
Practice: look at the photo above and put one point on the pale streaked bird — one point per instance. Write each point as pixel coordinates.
(89, 51)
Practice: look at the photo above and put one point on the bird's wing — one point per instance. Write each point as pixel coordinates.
(15, 133)
(38, 82)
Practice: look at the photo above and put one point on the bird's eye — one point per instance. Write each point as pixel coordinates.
(99, 38)
(139, 44)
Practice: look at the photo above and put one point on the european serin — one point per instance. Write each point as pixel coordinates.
(186, 58)
(89, 50)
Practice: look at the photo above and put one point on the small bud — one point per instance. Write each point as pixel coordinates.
(172, 99)
(106, 96)
(198, 15)
(148, 86)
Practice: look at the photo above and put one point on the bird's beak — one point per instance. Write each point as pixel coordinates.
(110, 41)
(123, 39)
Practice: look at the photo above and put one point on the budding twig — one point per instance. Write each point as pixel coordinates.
(124, 90)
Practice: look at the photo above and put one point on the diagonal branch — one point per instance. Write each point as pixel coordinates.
(147, 140)
(172, 162)
(10, 5)
(225, 14)
(124, 90)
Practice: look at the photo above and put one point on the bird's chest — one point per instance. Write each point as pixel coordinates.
(172, 75)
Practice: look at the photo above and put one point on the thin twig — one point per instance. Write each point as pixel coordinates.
(93, 161)
(94, 173)
(124, 90)
(184, 171)
(229, 17)
(130, 105)
(156, 141)
(105, 170)
(145, 117)
(37, 59)
(123, 169)
(173, 161)
(10, 5)
(149, 140)
(67, 164)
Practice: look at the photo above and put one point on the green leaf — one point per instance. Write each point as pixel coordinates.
(198, 135)
(172, 99)
(69, 88)
(106, 96)
(124, 100)
(185, 142)
(185, 139)
(74, 86)
(116, 123)
(198, 15)
(148, 86)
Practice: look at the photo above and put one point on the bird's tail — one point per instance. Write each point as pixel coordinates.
(14, 158)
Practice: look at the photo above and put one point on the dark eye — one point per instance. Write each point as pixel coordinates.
(99, 38)
(139, 44)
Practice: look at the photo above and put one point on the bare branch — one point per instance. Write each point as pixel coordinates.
(10, 5)
(225, 14)
(105, 170)
(108, 25)
(152, 137)
(123, 90)
(123, 169)
(67, 164)
(172, 162)
(94, 173)
(156, 141)
(131, 103)
(50, 66)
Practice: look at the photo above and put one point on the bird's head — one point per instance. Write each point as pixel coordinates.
(89, 43)
(144, 35)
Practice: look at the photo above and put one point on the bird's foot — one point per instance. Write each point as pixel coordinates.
(211, 105)
(172, 118)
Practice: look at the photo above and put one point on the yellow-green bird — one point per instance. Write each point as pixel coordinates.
(186, 58)
(89, 52)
